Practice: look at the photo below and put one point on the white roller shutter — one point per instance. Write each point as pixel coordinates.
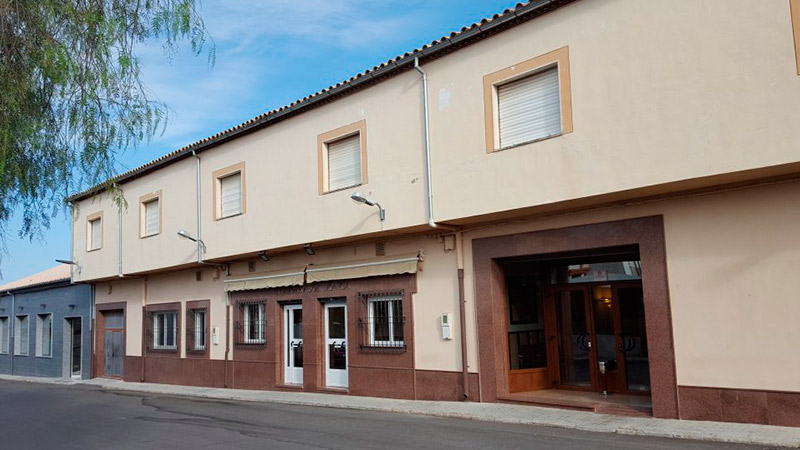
(529, 108)
(97, 233)
(231, 195)
(151, 218)
(344, 163)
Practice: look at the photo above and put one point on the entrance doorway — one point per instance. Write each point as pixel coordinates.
(73, 334)
(577, 323)
(336, 344)
(113, 342)
(293, 343)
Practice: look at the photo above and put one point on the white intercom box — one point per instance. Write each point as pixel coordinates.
(445, 321)
(215, 335)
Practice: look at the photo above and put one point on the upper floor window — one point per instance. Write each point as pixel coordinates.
(44, 335)
(342, 157)
(4, 335)
(528, 102)
(150, 214)
(94, 232)
(229, 191)
(21, 336)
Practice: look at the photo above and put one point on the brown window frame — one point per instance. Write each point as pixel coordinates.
(143, 201)
(323, 140)
(149, 328)
(241, 327)
(217, 177)
(492, 81)
(191, 308)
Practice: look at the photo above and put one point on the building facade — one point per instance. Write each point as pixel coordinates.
(570, 198)
(45, 326)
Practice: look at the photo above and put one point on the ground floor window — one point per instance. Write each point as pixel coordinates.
(196, 332)
(384, 323)
(4, 335)
(21, 330)
(165, 330)
(253, 324)
(44, 335)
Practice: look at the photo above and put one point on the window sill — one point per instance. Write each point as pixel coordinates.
(229, 217)
(93, 249)
(44, 357)
(149, 236)
(197, 351)
(532, 141)
(343, 188)
(383, 349)
(251, 346)
(163, 350)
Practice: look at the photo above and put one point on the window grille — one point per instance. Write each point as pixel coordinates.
(382, 327)
(196, 332)
(252, 325)
(164, 331)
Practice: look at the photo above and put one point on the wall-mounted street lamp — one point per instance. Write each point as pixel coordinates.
(183, 234)
(309, 251)
(263, 256)
(358, 198)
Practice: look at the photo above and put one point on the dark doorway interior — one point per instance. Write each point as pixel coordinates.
(577, 322)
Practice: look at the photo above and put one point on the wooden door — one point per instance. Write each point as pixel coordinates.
(113, 343)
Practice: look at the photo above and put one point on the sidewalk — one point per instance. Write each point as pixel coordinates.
(770, 436)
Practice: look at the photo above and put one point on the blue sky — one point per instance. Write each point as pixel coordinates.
(268, 54)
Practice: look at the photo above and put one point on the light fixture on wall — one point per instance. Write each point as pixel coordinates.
(358, 198)
(42, 305)
(67, 261)
(183, 234)
(307, 248)
(263, 256)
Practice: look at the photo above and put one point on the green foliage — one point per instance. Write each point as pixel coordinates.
(71, 98)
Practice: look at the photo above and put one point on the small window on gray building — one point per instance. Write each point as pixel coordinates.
(44, 335)
(21, 329)
(5, 337)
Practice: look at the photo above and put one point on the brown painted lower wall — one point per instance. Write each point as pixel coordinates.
(739, 405)
(364, 381)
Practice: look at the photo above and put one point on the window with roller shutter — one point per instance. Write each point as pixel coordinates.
(151, 217)
(529, 109)
(344, 163)
(94, 232)
(231, 195)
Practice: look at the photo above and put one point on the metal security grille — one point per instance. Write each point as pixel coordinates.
(344, 163)
(163, 331)
(250, 329)
(383, 325)
(196, 331)
(231, 195)
(529, 108)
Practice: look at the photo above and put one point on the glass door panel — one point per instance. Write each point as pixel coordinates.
(574, 338)
(336, 344)
(633, 338)
(293, 339)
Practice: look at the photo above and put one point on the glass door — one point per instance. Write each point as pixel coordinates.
(293, 344)
(336, 344)
(634, 356)
(574, 337)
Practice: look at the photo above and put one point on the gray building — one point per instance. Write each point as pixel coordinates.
(45, 326)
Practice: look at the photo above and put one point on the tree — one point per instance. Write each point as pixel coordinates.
(71, 98)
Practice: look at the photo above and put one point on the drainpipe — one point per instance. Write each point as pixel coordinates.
(91, 333)
(227, 332)
(197, 188)
(429, 184)
(432, 223)
(119, 221)
(71, 241)
(462, 314)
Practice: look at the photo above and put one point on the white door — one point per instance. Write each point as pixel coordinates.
(336, 344)
(293, 344)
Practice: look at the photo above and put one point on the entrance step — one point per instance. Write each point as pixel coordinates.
(620, 405)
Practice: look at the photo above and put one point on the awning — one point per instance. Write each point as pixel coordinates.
(385, 265)
(266, 280)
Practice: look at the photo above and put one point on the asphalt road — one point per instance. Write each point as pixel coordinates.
(40, 416)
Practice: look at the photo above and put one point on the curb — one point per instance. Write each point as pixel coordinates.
(733, 433)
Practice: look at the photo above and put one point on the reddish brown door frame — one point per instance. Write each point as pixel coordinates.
(647, 233)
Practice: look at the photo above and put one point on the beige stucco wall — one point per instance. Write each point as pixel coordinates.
(661, 91)
(731, 260)
(131, 292)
